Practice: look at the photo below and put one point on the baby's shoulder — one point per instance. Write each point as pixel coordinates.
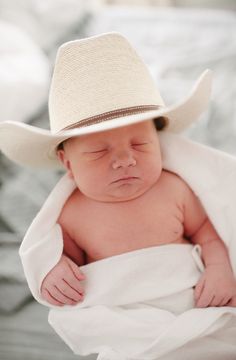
(173, 181)
(69, 210)
(178, 186)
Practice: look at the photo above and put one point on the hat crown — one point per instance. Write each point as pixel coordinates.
(96, 77)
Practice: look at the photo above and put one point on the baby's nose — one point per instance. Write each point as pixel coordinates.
(123, 159)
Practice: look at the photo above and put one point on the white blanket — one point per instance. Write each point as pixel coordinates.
(139, 305)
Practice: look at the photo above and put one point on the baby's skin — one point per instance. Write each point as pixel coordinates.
(108, 215)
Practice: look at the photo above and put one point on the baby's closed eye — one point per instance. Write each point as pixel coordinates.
(140, 144)
(141, 147)
(100, 152)
(95, 154)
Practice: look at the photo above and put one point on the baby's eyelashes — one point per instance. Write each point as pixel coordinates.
(97, 151)
(95, 154)
(103, 150)
(140, 144)
(141, 147)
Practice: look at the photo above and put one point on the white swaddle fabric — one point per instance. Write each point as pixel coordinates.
(139, 305)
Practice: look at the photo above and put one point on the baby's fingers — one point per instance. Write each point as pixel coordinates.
(69, 292)
(74, 277)
(60, 297)
(232, 302)
(217, 300)
(198, 289)
(76, 270)
(74, 283)
(49, 298)
(205, 298)
(225, 301)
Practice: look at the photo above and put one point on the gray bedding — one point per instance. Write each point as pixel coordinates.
(177, 45)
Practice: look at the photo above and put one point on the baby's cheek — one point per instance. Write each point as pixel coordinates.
(93, 184)
(157, 163)
(152, 172)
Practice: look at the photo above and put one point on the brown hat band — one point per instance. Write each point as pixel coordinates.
(112, 115)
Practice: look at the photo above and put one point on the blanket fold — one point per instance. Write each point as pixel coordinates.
(136, 302)
(115, 278)
(139, 305)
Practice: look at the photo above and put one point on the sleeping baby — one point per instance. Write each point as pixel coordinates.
(106, 117)
(125, 200)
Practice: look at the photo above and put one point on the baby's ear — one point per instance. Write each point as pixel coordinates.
(61, 156)
(66, 163)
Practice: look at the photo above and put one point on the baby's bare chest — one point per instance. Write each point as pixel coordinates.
(110, 229)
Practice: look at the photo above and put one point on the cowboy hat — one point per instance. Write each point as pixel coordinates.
(98, 83)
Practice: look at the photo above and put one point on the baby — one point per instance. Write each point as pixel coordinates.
(104, 111)
(125, 201)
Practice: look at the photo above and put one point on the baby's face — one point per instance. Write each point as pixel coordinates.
(97, 162)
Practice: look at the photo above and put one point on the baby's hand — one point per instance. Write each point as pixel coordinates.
(216, 287)
(62, 284)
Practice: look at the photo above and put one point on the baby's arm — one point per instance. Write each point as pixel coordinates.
(62, 285)
(217, 285)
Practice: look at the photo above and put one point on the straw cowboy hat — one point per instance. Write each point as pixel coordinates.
(99, 83)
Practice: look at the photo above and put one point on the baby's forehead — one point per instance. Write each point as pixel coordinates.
(120, 132)
(136, 131)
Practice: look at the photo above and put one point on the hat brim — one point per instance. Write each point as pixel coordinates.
(35, 147)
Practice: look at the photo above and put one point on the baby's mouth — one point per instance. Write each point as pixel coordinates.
(126, 178)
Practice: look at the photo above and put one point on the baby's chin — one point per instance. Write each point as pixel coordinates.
(120, 193)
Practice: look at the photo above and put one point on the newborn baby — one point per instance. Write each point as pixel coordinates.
(126, 201)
